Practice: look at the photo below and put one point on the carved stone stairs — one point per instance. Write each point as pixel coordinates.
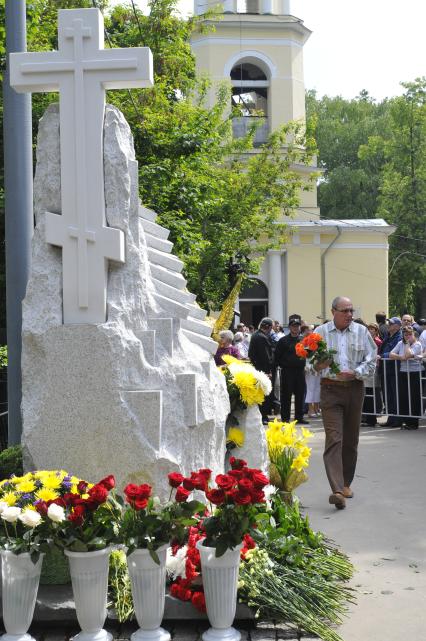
(170, 285)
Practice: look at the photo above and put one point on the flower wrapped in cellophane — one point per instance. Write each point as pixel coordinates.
(288, 454)
(246, 385)
(314, 348)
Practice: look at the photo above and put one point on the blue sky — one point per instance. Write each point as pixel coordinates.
(367, 44)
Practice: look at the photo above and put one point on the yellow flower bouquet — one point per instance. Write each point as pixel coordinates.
(288, 454)
(246, 385)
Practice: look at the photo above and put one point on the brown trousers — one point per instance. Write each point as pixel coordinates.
(341, 408)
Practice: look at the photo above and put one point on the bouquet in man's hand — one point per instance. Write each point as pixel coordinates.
(314, 348)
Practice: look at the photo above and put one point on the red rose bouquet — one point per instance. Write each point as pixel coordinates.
(314, 348)
(149, 524)
(86, 518)
(236, 502)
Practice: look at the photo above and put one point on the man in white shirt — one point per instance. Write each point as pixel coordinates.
(342, 395)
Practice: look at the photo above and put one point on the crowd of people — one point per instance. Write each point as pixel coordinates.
(394, 390)
(379, 372)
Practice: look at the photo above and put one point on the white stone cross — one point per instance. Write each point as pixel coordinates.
(81, 70)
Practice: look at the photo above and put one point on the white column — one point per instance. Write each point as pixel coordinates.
(230, 6)
(276, 304)
(285, 7)
(267, 6)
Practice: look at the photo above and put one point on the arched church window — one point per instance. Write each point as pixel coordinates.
(253, 302)
(254, 290)
(250, 100)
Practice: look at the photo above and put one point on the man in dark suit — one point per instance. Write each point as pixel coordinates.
(261, 356)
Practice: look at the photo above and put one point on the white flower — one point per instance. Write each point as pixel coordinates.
(176, 564)
(11, 514)
(56, 513)
(264, 382)
(3, 506)
(30, 518)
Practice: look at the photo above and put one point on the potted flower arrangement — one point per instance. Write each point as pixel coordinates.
(288, 455)
(235, 503)
(31, 510)
(147, 529)
(86, 523)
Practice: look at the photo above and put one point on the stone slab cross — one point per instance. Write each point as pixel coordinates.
(81, 70)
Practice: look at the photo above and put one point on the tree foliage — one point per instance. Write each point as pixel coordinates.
(217, 195)
(374, 161)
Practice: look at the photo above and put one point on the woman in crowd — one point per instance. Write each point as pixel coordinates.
(373, 397)
(241, 345)
(312, 398)
(225, 347)
(409, 352)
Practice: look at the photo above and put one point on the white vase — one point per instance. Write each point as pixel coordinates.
(148, 581)
(220, 581)
(20, 579)
(89, 577)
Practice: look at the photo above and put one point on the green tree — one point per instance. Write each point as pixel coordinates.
(217, 195)
(403, 197)
(350, 184)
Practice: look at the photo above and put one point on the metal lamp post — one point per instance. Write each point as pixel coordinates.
(18, 210)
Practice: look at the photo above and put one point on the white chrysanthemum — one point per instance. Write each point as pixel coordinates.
(56, 513)
(175, 564)
(3, 506)
(30, 518)
(264, 381)
(234, 368)
(11, 514)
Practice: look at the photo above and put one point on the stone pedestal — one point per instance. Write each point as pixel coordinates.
(137, 396)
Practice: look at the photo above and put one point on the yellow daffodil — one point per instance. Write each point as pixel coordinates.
(299, 462)
(235, 436)
(307, 434)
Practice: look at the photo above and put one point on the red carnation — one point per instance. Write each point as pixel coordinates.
(144, 491)
(258, 496)
(41, 507)
(200, 482)
(188, 484)
(108, 482)
(235, 474)
(193, 555)
(98, 493)
(205, 473)
(217, 497)
(241, 497)
(182, 495)
(82, 487)
(198, 600)
(237, 463)
(140, 504)
(245, 484)
(131, 491)
(190, 572)
(224, 481)
(71, 499)
(259, 479)
(59, 501)
(175, 479)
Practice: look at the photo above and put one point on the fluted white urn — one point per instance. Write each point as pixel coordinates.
(148, 580)
(220, 581)
(20, 580)
(89, 578)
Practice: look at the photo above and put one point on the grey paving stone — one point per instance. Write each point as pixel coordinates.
(263, 634)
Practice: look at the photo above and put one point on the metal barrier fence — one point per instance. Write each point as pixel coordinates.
(395, 392)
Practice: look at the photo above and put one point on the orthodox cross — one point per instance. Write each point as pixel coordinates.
(81, 70)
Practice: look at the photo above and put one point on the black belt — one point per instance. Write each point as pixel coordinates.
(333, 381)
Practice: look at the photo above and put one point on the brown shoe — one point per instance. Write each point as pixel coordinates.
(338, 500)
(347, 492)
